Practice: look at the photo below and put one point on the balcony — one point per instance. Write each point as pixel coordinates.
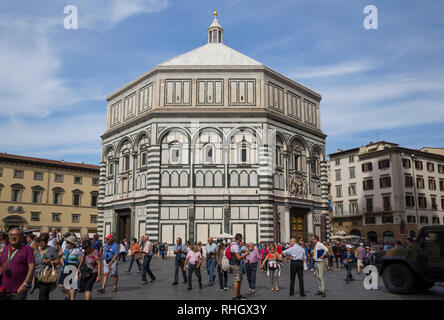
(378, 210)
(347, 214)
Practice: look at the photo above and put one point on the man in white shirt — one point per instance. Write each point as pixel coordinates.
(319, 254)
(147, 252)
(297, 257)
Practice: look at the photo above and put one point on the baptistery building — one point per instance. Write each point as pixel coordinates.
(210, 142)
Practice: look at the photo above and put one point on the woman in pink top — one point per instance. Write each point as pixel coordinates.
(194, 260)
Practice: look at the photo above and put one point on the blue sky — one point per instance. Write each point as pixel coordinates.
(376, 84)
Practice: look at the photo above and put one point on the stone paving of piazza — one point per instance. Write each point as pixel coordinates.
(336, 288)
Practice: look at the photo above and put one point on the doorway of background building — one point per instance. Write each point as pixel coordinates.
(123, 225)
(298, 223)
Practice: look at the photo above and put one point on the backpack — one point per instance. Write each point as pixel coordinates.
(228, 252)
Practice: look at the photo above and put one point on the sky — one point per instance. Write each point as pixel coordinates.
(384, 84)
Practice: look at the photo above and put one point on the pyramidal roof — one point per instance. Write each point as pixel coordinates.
(212, 54)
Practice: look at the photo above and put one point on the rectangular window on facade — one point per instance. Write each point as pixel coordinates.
(411, 219)
(351, 159)
(35, 216)
(294, 105)
(275, 97)
(18, 174)
(406, 163)
(409, 201)
(339, 209)
(129, 106)
(366, 167)
(339, 191)
(338, 162)
(38, 175)
(418, 165)
(385, 182)
(424, 220)
(242, 92)
(110, 169)
(76, 199)
(93, 218)
(353, 207)
(95, 181)
(352, 189)
(56, 217)
(178, 92)
(58, 178)
(146, 98)
(368, 184)
(76, 218)
(370, 220)
(435, 220)
(126, 162)
(143, 159)
(408, 181)
(442, 203)
(387, 219)
(115, 113)
(57, 198)
(440, 168)
(36, 196)
(210, 92)
(369, 204)
(94, 200)
(420, 183)
(16, 195)
(432, 184)
(338, 175)
(384, 164)
(386, 203)
(430, 167)
(311, 113)
(352, 172)
(434, 204)
(77, 180)
(422, 202)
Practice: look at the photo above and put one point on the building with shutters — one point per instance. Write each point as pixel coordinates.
(38, 194)
(213, 141)
(382, 191)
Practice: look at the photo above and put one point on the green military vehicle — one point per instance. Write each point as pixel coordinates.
(417, 266)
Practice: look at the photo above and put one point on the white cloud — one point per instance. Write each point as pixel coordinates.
(105, 14)
(333, 70)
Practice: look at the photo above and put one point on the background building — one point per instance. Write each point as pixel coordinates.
(37, 194)
(213, 141)
(382, 191)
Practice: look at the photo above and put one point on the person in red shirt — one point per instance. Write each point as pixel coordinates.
(279, 249)
(17, 267)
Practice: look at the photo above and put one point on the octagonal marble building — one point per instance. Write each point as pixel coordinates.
(213, 141)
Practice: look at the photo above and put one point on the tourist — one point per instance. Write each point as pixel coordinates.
(236, 257)
(319, 253)
(272, 260)
(348, 260)
(72, 256)
(17, 267)
(147, 251)
(122, 252)
(30, 239)
(194, 259)
(251, 262)
(330, 256)
(54, 239)
(135, 252)
(368, 258)
(210, 249)
(297, 257)
(360, 256)
(3, 242)
(110, 256)
(223, 275)
(180, 250)
(89, 268)
(45, 256)
(96, 243)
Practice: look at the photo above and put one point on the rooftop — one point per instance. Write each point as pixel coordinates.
(41, 161)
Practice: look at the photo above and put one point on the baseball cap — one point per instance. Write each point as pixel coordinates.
(109, 236)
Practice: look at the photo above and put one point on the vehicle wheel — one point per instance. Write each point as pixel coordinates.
(398, 278)
(423, 284)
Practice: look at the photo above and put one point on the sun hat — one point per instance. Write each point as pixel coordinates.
(109, 236)
(72, 239)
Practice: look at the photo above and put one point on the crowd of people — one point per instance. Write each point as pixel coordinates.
(41, 263)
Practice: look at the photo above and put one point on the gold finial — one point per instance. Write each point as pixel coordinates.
(215, 13)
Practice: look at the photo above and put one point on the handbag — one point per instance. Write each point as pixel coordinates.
(48, 275)
(138, 255)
